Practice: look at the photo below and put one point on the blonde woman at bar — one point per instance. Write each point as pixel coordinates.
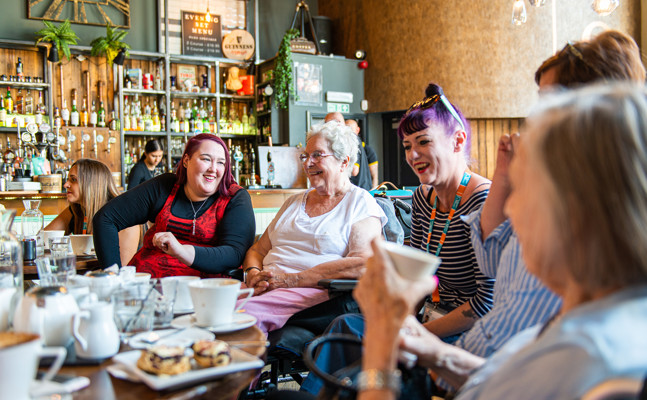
(89, 187)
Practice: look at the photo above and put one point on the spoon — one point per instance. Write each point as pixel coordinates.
(154, 337)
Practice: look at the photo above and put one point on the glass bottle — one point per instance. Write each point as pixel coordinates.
(74, 115)
(40, 109)
(83, 117)
(11, 281)
(3, 114)
(101, 117)
(65, 113)
(8, 101)
(32, 221)
(93, 115)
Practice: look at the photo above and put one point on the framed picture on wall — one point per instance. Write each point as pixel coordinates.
(309, 84)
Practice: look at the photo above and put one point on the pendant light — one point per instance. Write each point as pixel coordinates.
(207, 16)
(537, 3)
(604, 7)
(519, 16)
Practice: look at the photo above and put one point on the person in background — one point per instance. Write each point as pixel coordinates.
(567, 165)
(89, 187)
(145, 167)
(334, 116)
(323, 233)
(366, 174)
(204, 221)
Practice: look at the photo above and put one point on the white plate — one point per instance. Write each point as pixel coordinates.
(240, 321)
(182, 310)
(241, 361)
(183, 339)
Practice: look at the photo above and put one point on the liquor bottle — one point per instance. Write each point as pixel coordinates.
(126, 117)
(57, 119)
(162, 113)
(222, 122)
(192, 121)
(156, 125)
(175, 124)
(237, 125)
(83, 116)
(29, 103)
(65, 114)
(181, 111)
(74, 115)
(8, 101)
(245, 121)
(19, 70)
(20, 103)
(3, 114)
(133, 115)
(148, 119)
(252, 124)
(40, 109)
(93, 115)
(101, 118)
(114, 122)
(157, 85)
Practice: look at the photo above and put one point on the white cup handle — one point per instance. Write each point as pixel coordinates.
(75, 328)
(248, 292)
(59, 353)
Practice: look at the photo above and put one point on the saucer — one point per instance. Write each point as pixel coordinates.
(239, 321)
(183, 339)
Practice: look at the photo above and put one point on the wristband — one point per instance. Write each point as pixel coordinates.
(245, 272)
(374, 379)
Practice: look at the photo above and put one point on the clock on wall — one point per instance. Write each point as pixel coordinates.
(86, 12)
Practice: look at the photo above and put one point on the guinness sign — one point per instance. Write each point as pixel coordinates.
(238, 45)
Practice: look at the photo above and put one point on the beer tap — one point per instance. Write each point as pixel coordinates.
(83, 144)
(111, 140)
(238, 157)
(94, 143)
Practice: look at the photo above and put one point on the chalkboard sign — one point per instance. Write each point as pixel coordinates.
(199, 36)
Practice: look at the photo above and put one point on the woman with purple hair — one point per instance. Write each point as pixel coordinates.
(204, 221)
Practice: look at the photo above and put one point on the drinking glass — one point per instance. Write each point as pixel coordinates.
(59, 246)
(165, 293)
(11, 283)
(56, 271)
(134, 308)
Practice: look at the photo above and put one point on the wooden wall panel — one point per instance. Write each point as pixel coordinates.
(485, 64)
(485, 141)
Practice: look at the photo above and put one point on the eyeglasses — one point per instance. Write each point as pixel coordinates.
(429, 102)
(316, 156)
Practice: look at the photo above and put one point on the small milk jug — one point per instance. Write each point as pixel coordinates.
(95, 332)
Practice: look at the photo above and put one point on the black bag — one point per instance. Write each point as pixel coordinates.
(341, 385)
(401, 200)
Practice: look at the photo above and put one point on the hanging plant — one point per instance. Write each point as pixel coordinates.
(61, 38)
(111, 44)
(283, 74)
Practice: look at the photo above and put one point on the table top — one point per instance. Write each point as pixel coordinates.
(104, 386)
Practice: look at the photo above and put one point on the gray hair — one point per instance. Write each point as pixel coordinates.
(341, 139)
(593, 146)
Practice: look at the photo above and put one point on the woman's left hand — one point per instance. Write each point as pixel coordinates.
(166, 242)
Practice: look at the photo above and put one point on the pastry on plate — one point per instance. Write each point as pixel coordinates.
(164, 360)
(211, 353)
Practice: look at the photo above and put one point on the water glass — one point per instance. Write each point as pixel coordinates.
(165, 294)
(56, 271)
(59, 246)
(134, 308)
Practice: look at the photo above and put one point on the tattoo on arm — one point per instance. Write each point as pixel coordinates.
(468, 313)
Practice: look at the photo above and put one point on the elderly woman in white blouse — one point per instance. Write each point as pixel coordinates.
(322, 233)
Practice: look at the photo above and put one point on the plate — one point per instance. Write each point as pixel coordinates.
(240, 321)
(182, 310)
(184, 338)
(241, 361)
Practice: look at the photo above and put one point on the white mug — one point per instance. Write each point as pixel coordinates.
(183, 301)
(214, 300)
(47, 235)
(411, 263)
(18, 363)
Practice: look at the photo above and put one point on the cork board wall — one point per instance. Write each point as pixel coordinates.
(484, 63)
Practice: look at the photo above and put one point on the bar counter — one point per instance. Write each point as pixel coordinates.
(54, 203)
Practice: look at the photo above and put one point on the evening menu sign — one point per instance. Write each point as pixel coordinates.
(200, 37)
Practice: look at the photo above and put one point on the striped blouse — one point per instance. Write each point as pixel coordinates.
(459, 276)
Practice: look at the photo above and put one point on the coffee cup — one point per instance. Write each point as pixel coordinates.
(183, 301)
(411, 263)
(19, 354)
(214, 300)
(48, 235)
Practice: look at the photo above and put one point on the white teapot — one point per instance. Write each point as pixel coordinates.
(95, 331)
(47, 311)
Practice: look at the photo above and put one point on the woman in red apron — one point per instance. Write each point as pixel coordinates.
(204, 221)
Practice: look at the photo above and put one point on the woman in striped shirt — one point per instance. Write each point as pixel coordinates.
(436, 140)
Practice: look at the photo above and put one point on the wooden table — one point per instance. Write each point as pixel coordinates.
(104, 386)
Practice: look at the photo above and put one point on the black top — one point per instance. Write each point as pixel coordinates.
(139, 174)
(235, 231)
(363, 178)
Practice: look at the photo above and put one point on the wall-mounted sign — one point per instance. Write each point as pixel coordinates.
(94, 12)
(199, 36)
(238, 45)
(309, 84)
(338, 107)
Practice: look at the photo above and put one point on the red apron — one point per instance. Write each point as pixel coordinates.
(159, 264)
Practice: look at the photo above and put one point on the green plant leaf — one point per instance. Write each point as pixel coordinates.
(283, 74)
